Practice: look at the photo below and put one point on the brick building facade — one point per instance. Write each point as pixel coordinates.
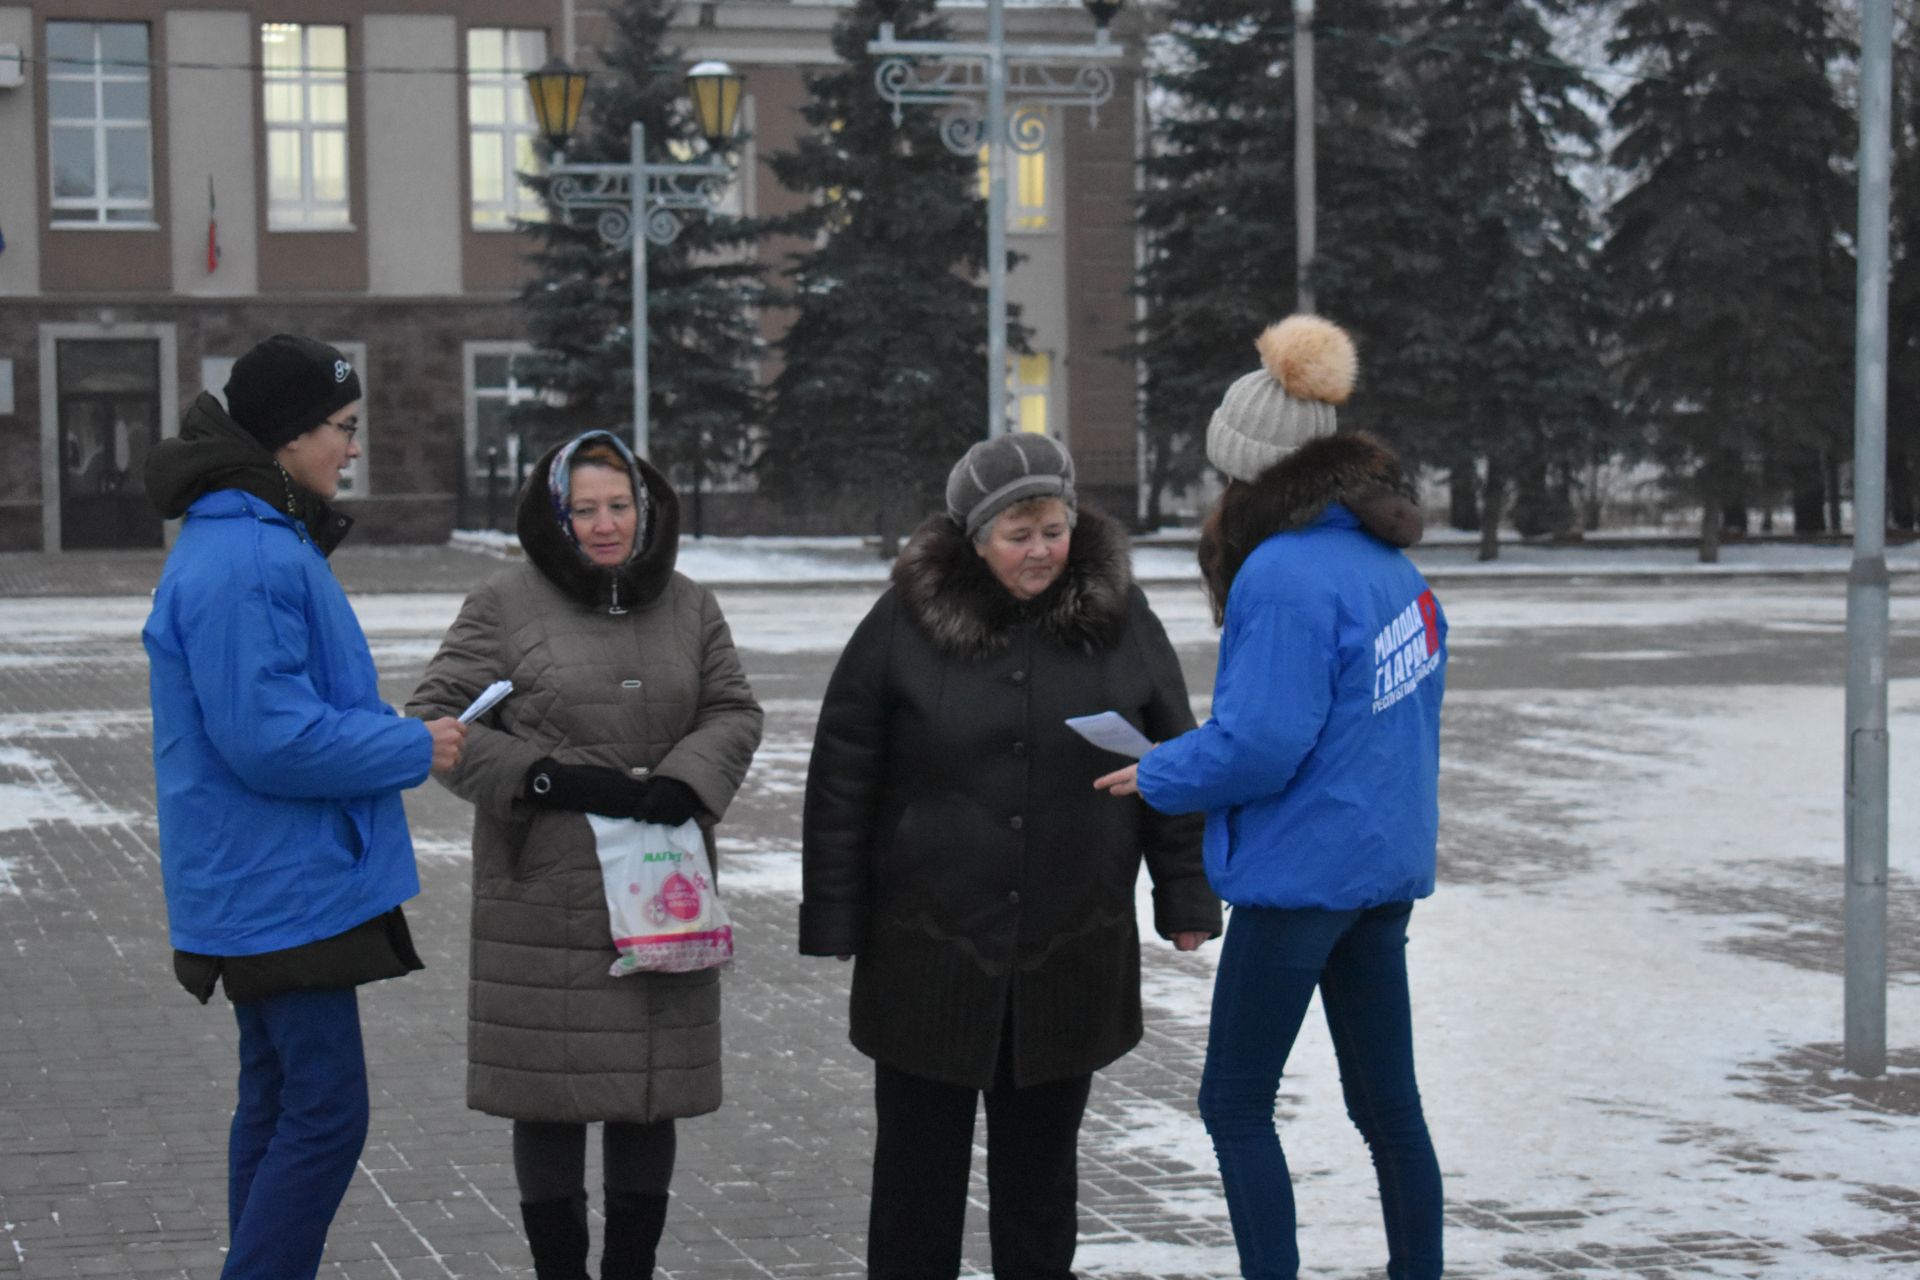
(182, 181)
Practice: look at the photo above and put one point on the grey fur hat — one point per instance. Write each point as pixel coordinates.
(1307, 367)
(1010, 468)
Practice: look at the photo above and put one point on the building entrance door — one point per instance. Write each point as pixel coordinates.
(109, 407)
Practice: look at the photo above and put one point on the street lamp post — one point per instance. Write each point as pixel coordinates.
(975, 79)
(1303, 158)
(637, 201)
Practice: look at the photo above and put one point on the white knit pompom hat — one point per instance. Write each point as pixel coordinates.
(1308, 367)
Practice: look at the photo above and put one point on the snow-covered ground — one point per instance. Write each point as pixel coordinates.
(1444, 554)
(1611, 984)
(407, 625)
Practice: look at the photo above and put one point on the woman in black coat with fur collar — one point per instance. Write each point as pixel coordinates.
(955, 847)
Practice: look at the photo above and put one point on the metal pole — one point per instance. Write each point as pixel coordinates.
(1866, 749)
(493, 484)
(996, 218)
(1303, 159)
(637, 152)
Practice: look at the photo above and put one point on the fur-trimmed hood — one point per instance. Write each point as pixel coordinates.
(638, 581)
(953, 596)
(1353, 469)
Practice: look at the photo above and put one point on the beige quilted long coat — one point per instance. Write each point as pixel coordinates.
(632, 669)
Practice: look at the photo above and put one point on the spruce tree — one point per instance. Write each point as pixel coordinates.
(883, 378)
(1726, 248)
(1219, 212)
(703, 401)
(1505, 348)
(1903, 319)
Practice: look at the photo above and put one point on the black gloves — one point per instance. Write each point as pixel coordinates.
(587, 788)
(584, 788)
(667, 801)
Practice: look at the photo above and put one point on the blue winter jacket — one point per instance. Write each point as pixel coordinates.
(278, 767)
(1319, 767)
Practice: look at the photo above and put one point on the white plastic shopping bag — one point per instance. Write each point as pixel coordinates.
(661, 902)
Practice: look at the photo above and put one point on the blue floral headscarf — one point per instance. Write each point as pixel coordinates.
(560, 488)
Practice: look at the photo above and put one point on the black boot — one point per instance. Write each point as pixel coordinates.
(634, 1222)
(557, 1234)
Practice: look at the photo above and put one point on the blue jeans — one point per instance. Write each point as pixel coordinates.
(1269, 966)
(298, 1130)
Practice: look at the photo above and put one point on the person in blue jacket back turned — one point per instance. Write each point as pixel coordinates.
(1318, 772)
(283, 846)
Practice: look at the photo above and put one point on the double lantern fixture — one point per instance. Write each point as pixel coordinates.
(637, 201)
(995, 96)
(559, 91)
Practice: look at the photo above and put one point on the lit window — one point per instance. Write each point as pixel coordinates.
(1027, 189)
(502, 135)
(99, 123)
(1032, 391)
(306, 109)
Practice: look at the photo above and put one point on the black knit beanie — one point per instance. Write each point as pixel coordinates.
(287, 386)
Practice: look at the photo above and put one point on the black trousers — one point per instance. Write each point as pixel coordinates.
(921, 1159)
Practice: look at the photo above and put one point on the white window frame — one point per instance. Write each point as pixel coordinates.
(308, 213)
(472, 394)
(511, 138)
(93, 212)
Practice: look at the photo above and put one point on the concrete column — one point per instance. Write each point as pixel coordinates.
(210, 142)
(411, 132)
(20, 134)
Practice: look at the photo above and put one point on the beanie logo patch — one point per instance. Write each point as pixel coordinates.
(340, 370)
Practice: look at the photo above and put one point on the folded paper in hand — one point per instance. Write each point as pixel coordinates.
(1110, 732)
(485, 702)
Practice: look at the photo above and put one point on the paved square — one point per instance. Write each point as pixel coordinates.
(1570, 1149)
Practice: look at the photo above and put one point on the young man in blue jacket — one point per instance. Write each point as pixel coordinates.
(1319, 775)
(283, 845)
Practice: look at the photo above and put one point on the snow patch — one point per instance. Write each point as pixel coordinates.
(439, 849)
(31, 791)
(774, 874)
(74, 724)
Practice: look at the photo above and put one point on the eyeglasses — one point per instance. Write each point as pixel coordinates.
(350, 426)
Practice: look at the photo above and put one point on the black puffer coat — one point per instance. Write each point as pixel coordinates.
(953, 839)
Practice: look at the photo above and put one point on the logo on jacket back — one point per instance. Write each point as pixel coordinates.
(1406, 651)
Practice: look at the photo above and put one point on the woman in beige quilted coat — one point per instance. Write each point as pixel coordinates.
(628, 700)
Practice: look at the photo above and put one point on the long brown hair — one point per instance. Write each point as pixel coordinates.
(1245, 516)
